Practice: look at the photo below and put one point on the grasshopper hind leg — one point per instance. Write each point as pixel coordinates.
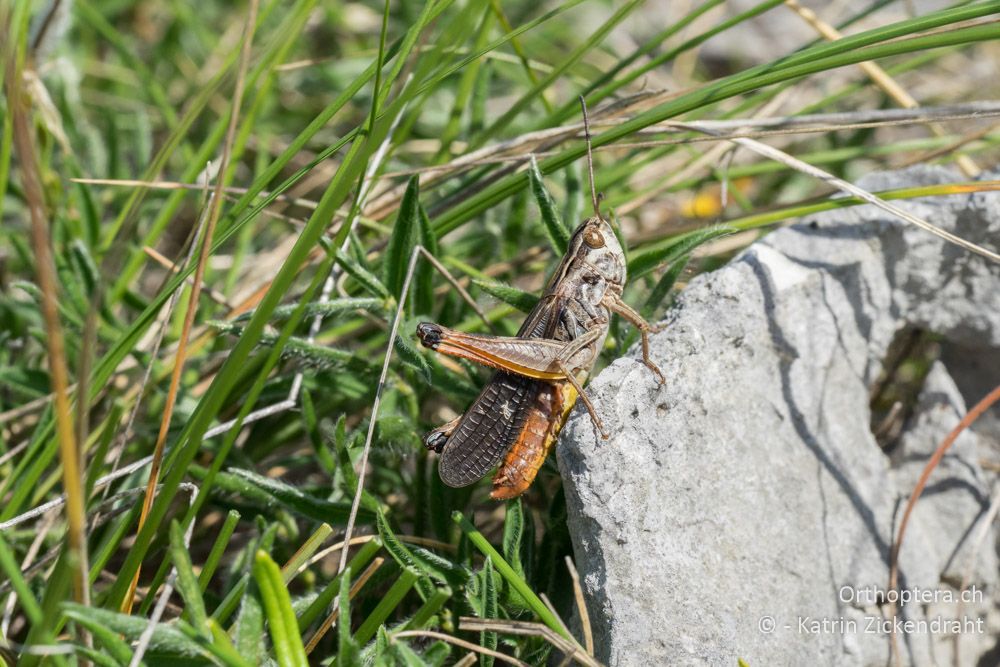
(436, 439)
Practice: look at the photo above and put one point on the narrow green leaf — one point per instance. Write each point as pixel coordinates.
(343, 451)
(345, 463)
(306, 551)
(283, 628)
(11, 568)
(85, 265)
(437, 653)
(218, 548)
(480, 96)
(265, 541)
(222, 651)
(419, 559)
(409, 354)
(166, 638)
(428, 609)
(347, 649)
(523, 301)
(403, 238)
(319, 356)
(405, 656)
(110, 430)
(323, 454)
(513, 534)
(249, 630)
(326, 309)
(381, 648)
(223, 647)
(554, 227)
(670, 249)
(488, 608)
(513, 539)
(513, 231)
(95, 656)
(111, 640)
(388, 602)
(272, 491)
(187, 582)
(363, 276)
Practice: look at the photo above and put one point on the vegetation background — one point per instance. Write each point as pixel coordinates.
(208, 210)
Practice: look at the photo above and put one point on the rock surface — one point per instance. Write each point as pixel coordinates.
(745, 508)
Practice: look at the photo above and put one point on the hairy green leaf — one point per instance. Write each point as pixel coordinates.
(404, 236)
(554, 228)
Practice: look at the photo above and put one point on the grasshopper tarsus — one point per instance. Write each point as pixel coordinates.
(656, 369)
(435, 441)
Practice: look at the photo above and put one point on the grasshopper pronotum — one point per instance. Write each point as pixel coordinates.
(541, 371)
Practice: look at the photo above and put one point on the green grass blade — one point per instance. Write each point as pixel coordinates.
(218, 548)
(13, 571)
(392, 599)
(187, 582)
(282, 626)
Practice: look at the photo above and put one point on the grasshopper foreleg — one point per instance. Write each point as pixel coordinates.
(644, 327)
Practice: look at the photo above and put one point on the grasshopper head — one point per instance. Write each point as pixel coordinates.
(598, 253)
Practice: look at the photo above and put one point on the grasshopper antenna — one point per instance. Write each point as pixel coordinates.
(590, 159)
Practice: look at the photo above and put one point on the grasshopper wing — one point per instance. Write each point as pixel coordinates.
(488, 428)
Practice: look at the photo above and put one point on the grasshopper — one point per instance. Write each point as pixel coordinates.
(540, 372)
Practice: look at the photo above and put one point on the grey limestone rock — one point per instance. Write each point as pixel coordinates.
(745, 509)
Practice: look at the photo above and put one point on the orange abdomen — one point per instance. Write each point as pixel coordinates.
(525, 457)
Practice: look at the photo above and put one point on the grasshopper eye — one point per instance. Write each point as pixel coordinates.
(593, 238)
